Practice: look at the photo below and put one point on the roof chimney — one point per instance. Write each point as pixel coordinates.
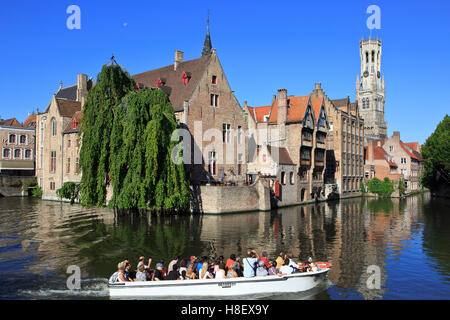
(178, 59)
(82, 90)
(282, 106)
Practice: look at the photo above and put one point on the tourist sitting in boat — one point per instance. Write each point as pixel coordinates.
(141, 274)
(183, 268)
(121, 272)
(280, 259)
(158, 275)
(142, 261)
(191, 261)
(267, 265)
(172, 263)
(261, 270)
(295, 267)
(231, 259)
(273, 269)
(129, 274)
(200, 263)
(232, 271)
(250, 263)
(190, 272)
(174, 274)
(239, 267)
(204, 272)
(216, 265)
(286, 268)
(220, 273)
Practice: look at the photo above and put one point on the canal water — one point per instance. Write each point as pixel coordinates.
(407, 240)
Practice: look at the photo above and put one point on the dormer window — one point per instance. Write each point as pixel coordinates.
(266, 117)
(214, 80)
(161, 82)
(186, 77)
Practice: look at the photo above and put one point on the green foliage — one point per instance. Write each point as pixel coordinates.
(69, 190)
(436, 153)
(37, 192)
(142, 172)
(30, 183)
(363, 187)
(127, 143)
(401, 187)
(382, 188)
(112, 84)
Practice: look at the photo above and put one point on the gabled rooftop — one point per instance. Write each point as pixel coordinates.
(171, 80)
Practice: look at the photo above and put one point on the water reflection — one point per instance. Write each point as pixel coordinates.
(41, 238)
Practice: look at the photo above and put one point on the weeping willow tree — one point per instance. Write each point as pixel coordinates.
(112, 84)
(143, 174)
(127, 143)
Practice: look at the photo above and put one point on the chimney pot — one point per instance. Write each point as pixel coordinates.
(178, 59)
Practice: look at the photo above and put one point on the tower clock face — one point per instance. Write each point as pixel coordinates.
(378, 74)
(366, 74)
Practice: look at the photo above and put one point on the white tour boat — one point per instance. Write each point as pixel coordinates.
(295, 282)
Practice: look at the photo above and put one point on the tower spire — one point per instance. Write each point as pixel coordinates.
(207, 46)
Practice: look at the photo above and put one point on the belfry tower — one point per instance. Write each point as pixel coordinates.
(370, 92)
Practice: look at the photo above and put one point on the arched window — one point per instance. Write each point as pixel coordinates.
(53, 127)
(367, 57)
(373, 56)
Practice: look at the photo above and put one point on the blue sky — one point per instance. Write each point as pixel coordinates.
(263, 46)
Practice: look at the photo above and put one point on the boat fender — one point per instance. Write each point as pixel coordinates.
(323, 264)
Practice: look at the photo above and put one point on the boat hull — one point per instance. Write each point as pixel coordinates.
(222, 288)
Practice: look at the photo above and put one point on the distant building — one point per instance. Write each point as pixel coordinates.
(17, 143)
(394, 159)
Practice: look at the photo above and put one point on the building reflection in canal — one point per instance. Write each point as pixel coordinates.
(352, 234)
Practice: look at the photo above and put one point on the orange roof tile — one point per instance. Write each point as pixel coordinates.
(296, 109)
(380, 154)
(258, 113)
(30, 121)
(316, 105)
(413, 145)
(408, 151)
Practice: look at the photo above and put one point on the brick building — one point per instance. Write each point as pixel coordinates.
(345, 158)
(394, 159)
(299, 126)
(17, 144)
(207, 108)
(56, 145)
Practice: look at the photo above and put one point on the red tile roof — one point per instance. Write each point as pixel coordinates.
(380, 154)
(258, 113)
(174, 86)
(408, 150)
(413, 145)
(296, 110)
(30, 122)
(10, 122)
(316, 105)
(75, 119)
